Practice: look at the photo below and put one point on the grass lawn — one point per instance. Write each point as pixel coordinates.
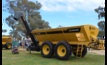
(35, 58)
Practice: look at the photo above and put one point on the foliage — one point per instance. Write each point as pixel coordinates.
(31, 13)
(3, 30)
(101, 34)
(101, 12)
(59, 26)
(101, 24)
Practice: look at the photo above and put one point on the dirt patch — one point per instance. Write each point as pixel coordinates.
(21, 50)
(100, 52)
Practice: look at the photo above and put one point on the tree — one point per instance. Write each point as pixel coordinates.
(101, 12)
(101, 24)
(4, 30)
(59, 26)
(31, 13)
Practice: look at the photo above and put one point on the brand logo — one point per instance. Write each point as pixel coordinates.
(74, 30)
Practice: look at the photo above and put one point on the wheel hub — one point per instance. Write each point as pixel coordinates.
(46, 49)
(61, 50)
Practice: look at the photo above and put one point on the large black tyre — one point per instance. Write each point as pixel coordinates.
(47, 49)
(8, 46)
(84, 52)
(62, 50)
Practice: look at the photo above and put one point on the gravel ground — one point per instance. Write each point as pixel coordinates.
(100, 52)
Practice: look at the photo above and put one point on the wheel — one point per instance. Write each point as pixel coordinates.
(47, 49)
(84, 52)
(8, 45)
(62, 50)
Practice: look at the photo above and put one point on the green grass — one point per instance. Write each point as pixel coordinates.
(35, 58)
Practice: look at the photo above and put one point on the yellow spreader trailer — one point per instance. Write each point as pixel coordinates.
(79, 35)
(6, 42)
(61, 42)
(67, 40)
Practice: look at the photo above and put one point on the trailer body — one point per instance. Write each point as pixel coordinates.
(83, 34)
(74, 39)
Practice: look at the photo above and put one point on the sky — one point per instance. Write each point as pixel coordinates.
(64, 12)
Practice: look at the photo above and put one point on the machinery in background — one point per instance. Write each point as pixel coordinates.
(6, 42)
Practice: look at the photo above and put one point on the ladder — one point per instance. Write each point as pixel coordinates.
(79, 50)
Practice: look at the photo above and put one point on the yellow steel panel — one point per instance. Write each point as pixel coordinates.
(81, 36)
(6, 39)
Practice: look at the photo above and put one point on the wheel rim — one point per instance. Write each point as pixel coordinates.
(61, 50)
(9, 46)
(46, 49)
